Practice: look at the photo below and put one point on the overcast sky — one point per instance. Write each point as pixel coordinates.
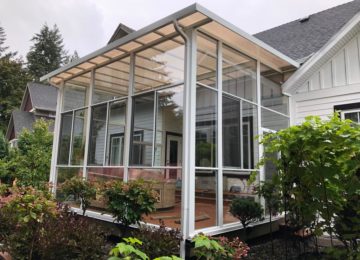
(87, 25)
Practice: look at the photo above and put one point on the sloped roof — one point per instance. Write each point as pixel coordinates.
(21, 120)
(42, 96)
(301, 38)
(121, 31)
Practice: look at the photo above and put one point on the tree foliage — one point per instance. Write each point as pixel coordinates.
(4, 146)
(13, 79)
(47, 52)
(29, 163)
(318, 174)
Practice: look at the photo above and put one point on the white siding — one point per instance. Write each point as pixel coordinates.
(337, 82)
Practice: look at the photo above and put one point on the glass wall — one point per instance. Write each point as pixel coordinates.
(238, 74)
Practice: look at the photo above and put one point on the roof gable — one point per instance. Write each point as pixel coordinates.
(301, 38)
(42, 96)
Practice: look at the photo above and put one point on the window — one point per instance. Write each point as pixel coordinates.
(353, 115)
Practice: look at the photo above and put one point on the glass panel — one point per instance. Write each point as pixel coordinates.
(116, 130)
(231, 132)
(169, 123)
(167, 184)
(160, 65)
(235, 185)
(65, 136)
(206, 60)
(100, 174)
(238, 74)
(112, 81)
(271, 93)
(205, 199)
(63, 174)
(353, 116)
(142, 130)
(97, 135)
(250, 131)
(273, 121)
(206, 127)
(75, 92)
(79, 136)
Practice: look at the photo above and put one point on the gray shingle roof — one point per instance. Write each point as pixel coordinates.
(21, 120)
(299, 40)
(121, 31)
(42, 96)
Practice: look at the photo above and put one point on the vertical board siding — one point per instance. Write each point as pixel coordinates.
(341, 72)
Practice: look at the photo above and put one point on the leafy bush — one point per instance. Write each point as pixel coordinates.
(159, 241)
(22, 219)
(3, 189)
(81, 189)
(246, 210)
(33, 226)
(219, 248)
(29, 163)
(70, 236)
(127, 202)
(318, 175)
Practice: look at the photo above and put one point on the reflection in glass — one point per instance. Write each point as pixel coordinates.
(112, 81)
(235, 185)
(271, 93)
(75, 91)
(273, 121)
(169, 122)
(65, 136)
(115, 135)
(231, 132)
(238, 74)
(97, 134)
(160, 65)
(206, 127)
(79, 136)
(205, 199)
(142, 130)
(250, 131)
(206, 60)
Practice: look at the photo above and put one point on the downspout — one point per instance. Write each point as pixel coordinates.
(184, 194)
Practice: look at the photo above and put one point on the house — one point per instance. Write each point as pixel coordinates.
(39, 101)
(181, 101)
(327, 43)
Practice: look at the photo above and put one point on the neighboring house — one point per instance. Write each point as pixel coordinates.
(180, 102)
(327, 43)
(39, 101)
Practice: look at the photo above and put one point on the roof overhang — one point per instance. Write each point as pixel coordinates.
(312, 65)
(194, 16)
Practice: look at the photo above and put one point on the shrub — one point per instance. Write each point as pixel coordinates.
(219, 248)
(29, 163)
(246, 210)
(159, 241)
(81, 189)
(127, 202)
(71, 236)
(22, 221)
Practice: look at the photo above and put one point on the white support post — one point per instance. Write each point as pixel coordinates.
(105, 161)
(220, 201)
(189, 121)
(260, 130)
(128, 122)
(56, 139)
(88, 123)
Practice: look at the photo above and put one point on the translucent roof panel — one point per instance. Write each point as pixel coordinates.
(194, 16)
(160, 65)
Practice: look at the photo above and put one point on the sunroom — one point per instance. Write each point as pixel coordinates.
(179, 102)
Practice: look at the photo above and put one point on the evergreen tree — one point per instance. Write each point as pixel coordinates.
(72, 57)
(13, 79)
(47, 52)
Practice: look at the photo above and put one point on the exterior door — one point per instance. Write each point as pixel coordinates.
(173, 155)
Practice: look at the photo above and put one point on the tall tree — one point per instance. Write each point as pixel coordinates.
(13, 79)
(71, 58)
(47, 52)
